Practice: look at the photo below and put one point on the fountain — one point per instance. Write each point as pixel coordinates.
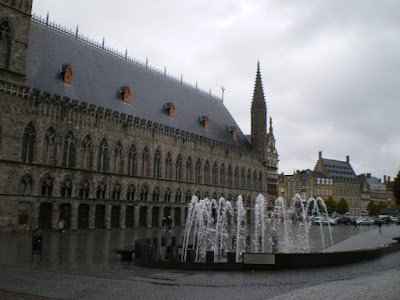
(219, 226)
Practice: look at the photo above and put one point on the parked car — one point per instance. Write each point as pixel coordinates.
(344, 220)
(365, 221)
(325, 221)
(393, 219)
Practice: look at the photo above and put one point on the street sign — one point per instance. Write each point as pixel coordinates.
(60, 225)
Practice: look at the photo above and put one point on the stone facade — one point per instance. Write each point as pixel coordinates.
(98, 168)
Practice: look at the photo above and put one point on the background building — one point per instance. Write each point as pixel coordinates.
(104, 141)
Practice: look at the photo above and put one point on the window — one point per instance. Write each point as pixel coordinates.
(66, 187)
(249, 179)
(215, 174)
(5, 45)
(207, 173)
(198, 171)
(222, 175)
(132, 160)
(230, 182)
(243, 179)
(167, 195)
(178, 196)
(87, 152)
(156, 194)
(146, 162)
(118, 159)
(50, 147)
(116, 191)
(84, 189)
(69, 150)
(188, 196)
(46, 186)
(237, 179)
(25, 185)
(178, 176)
(28, 143)
(189, 170)
(144, 192)
(130, 194)
(101, 190)
(168, 166)
(102, 160)
(157, 164)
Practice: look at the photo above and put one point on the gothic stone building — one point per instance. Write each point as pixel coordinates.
(101, 140)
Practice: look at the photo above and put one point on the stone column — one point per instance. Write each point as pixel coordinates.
(92, 215)
(148, 216)
(136, 212)
(122, 216)
(108, 216)
(55, 215)
(74, 215)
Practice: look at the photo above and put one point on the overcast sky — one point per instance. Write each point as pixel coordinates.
(330, 69)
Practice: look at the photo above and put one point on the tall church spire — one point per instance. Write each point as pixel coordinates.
(258, 115)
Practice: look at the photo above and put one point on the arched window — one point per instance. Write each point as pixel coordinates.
(144, 192)
(66, 187)
(84, 189)
(28, 143)
(132, 160)
(249, 179)
(222, 177)
(46, 185)
(69, 151)
(215, 174)
(102, 159)
(188, 196)
(237, 179)
(25, 185)
(87, 152)
(215, 196)
(243, 179)
(146, 162)
(178, 196)
(101, 190)
(198, 194)
(198, 171)
(157, 164)
(178, 176)
(255, 181)
(130, 193)
(156, 194)
(49, 147)
(207, 173)
(116, 191)
(189, 170)
(167, 195)
(5, 45)
(168, 166)
(230, 182)
(118, 159)
(260, 181)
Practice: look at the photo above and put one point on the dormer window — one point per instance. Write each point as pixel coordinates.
(170, 108)
(232, 129)
(204, 120)
(125, 93)
(66, 73)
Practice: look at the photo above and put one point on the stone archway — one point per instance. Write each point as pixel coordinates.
(65, 214)
(45, 215)
(100, 217)
(177, 221)
(115, 216)
(155, 216)
(129, 217)
(83, 216)
(143, 216)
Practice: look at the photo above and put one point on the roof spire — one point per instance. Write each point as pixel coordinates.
(258, 94)
(271, 130)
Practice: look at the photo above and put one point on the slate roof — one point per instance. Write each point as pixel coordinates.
(98, 76)
(341, 170)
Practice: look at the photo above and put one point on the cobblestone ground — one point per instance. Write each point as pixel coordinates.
(90, 270)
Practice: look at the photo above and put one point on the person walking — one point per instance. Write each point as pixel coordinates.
(169, 223)
(380, 226)
(355, 225)
(164, 223)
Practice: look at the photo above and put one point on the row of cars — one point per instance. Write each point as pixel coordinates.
(346, 220)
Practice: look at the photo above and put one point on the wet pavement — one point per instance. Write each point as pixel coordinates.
(89, 269)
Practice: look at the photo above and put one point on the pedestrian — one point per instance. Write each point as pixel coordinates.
(169, 223)
(164, 223)
(355, 225)
(379, 226)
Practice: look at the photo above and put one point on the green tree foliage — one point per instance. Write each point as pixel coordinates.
(396, 188)
(330, 205)
(342, 206)
(373, 209)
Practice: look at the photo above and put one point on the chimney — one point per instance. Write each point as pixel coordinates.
(389, 179)
(320, 154)
(348, 159)
(384, 178)
(368, 175)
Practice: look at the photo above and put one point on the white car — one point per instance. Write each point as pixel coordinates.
(365, 221)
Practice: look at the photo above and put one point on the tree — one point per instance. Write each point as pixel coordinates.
(330, 205)
(342, 206)
(373, 209)
(396, 188)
